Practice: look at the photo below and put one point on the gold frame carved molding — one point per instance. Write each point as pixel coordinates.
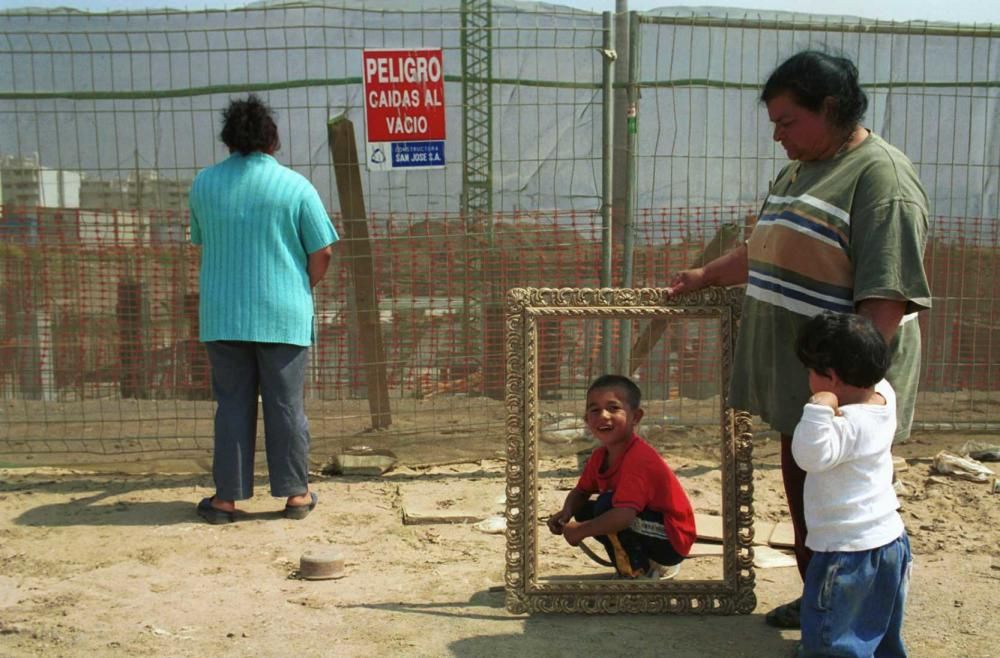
(734, 593)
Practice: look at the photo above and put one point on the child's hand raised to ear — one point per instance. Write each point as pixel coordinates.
(827, 399)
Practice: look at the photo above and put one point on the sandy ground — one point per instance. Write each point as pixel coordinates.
(104, 564)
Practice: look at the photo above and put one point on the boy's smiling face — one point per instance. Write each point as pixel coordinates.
(609, 417)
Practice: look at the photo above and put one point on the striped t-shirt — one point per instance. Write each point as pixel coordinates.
(257, 222)
(831, 234)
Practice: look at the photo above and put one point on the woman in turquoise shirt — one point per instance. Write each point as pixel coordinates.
(265, 243)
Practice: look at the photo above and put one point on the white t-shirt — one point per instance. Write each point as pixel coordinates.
(849, 501)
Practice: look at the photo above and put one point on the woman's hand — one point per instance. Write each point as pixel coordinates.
(687, 281)
(730, 269)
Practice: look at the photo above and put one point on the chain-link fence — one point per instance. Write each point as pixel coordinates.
(104, 120)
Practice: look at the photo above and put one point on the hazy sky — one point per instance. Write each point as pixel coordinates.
(957, 11)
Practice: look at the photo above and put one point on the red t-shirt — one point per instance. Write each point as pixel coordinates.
(641, 480)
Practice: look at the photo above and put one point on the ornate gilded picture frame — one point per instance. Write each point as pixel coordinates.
(525, 590)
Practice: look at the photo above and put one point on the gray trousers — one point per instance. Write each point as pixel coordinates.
(277, 371)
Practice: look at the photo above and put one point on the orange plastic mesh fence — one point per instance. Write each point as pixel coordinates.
(99, 350)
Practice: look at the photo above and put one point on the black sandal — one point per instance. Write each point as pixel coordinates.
(786, 615)
(212, 514)
(299, 512)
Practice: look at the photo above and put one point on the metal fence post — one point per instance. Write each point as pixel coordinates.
(628, 237)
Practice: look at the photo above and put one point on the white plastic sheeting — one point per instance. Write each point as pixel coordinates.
(108, 94)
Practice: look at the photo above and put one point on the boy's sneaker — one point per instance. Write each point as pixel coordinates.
(662, 572)
(654, 572)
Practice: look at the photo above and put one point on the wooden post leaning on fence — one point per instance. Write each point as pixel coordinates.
(347, 171)
(724, 239)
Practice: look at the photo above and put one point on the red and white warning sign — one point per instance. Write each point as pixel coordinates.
(404, 108)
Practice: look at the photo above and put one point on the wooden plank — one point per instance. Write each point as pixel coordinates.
(783, 535)
(347, 171)
(702, 549)
(419, 517)
(708, 527)
(430, 503)
(762, 531)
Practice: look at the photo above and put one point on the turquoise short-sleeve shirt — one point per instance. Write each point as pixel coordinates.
(257, 221)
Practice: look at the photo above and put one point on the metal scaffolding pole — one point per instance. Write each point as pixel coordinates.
(477, 191)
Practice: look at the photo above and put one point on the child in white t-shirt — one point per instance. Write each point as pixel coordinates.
(855, 587)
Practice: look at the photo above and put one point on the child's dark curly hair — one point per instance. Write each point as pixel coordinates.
(632, 394)
(248, 126)
(846, 344)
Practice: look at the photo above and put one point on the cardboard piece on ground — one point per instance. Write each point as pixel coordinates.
(701, 549)
(709, 527)
(429, 503)
(762, 531)
(765, 557)
(783, 535)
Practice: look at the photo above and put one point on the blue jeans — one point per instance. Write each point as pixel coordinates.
(853, 602)
(241, 370)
